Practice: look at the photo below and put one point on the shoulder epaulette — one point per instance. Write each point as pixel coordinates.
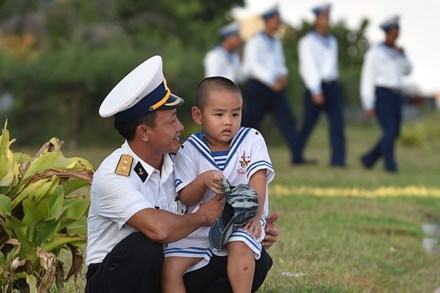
(124, 165)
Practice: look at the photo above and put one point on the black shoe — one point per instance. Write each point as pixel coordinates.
(305, 162)
(364, 163)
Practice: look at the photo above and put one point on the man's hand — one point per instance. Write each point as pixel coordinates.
(271, 231)
(280, 83)
(370, 113)
(211, 209)
(213, 180)
(400, 50)
(318, 99)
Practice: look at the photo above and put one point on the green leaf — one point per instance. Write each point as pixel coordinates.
(59, 241)
(74, 184)
(2, 259)
(75, 208)
(56, 160)
(78, 227)
(32, 283)
(46, 231)
(56, 202)
(5, 205)
(21, 157)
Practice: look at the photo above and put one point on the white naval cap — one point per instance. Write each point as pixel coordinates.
(142, 90)
(229, 29)
(391, 22)
(271, 11)
(318, 9)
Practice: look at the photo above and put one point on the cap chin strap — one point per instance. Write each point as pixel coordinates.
(161, 101)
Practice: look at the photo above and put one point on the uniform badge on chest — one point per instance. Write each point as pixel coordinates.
(244, 162)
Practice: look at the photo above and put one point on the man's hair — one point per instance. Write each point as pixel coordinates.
(128, 128)
(214, 83)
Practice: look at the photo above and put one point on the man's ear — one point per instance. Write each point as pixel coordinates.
(196, 115)
(143, 132)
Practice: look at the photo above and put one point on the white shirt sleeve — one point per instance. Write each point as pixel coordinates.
(282, 62)
(254, 68)
(368, 79)
(213, 64)
(260, 157)
(119, 198)
(185, 166)
(308, 67)
(405, 65)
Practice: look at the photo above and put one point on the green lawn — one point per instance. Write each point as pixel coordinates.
(354, 230)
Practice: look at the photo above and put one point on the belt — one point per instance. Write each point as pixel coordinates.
(391, 89)
(328, 81)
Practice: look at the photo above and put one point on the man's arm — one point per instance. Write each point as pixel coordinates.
(165, 227)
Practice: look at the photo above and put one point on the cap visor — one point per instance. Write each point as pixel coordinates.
(172, 102)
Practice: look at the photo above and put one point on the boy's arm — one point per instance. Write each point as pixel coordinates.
(258, 182)
(193, 192)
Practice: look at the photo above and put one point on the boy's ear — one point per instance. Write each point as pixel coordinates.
(196, 115)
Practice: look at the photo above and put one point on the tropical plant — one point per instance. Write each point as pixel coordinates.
(43, 205)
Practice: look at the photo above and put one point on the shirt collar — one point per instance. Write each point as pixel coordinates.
(167, 165)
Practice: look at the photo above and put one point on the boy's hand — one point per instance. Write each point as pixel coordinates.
(214, 180)
(254, 227)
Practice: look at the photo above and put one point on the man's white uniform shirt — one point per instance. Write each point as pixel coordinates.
(318, 60)
(383, 66)
(246, 155)
(264, 59)
(116, 198)
(220, 62)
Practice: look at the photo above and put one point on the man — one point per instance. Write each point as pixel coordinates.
(223, 60)
(384, 67)
(267, 74)
(134, 210)
(318, 60)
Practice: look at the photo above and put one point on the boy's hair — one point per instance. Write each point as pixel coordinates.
(214, 83)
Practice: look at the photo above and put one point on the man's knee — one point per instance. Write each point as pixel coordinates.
(145, 249)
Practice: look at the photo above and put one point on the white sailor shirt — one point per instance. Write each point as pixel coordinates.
(246, 155)
(264, 59)
(383, 66)
(318, 60)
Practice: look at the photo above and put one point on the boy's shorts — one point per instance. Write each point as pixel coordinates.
(197, 245)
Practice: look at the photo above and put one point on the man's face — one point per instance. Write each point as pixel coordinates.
(233, 41)
(273, 23)
(323, 21)
(392, 35)
(220, 117)
(165, 135)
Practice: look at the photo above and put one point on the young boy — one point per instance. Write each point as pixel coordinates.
(222, 149)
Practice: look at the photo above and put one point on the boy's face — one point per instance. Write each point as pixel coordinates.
(220, 117)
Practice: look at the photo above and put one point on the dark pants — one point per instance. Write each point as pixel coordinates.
(333, 107)
(388, 107)
(214, 279)
(135, 265)
(261, 99)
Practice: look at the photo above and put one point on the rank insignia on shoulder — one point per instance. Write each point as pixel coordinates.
(124, 165)
(141, 171)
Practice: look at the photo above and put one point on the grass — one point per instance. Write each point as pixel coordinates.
(353, 230)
